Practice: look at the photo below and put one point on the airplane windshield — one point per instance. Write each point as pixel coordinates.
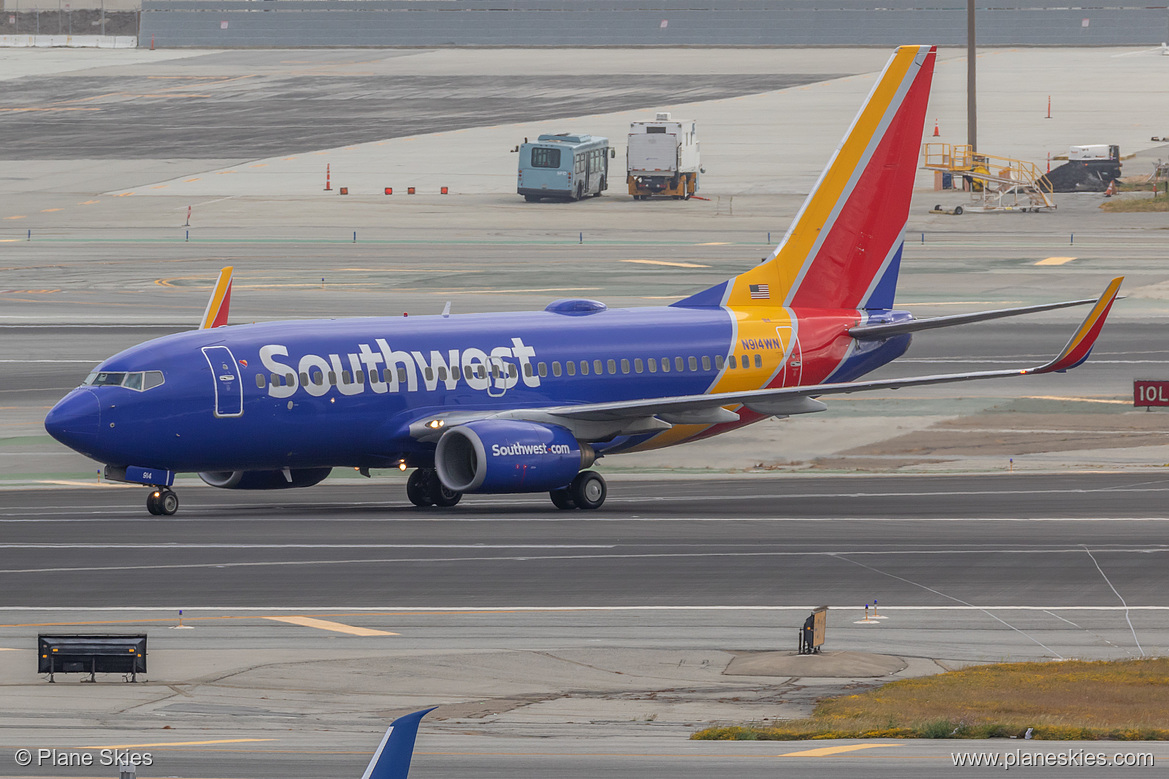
(137, 380)
(105, 379)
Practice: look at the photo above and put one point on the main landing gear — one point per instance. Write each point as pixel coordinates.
(424, 488)
(587, 491)
(162, 502)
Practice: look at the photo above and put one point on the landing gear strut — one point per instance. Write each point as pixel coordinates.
(162, 502)
(587, 491)
(424, 488)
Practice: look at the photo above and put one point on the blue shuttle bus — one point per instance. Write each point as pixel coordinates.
(564, 166)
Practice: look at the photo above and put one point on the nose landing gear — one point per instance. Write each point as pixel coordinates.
(162, 502)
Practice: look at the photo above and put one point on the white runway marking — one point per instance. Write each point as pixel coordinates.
(959, 600)
(560, 558)
(181, 545)
(1118, 595)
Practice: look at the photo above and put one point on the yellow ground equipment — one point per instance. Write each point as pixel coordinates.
(995, 183)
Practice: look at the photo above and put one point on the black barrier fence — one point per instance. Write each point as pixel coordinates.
(93, 654)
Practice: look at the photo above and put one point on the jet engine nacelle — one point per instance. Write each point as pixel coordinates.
(265, 480)
(502, 455)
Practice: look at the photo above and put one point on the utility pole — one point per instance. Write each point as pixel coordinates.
(971, 112)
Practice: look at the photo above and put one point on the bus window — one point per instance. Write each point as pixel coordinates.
(545, 158)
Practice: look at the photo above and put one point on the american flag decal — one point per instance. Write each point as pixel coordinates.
(760, 292)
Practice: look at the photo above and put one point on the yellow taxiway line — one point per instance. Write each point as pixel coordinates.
(182, 743)
(826, 751)
(336, 627)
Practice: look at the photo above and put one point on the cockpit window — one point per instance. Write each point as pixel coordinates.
(137, 380)
(105, 379)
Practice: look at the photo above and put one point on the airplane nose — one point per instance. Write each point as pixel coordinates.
(75, 421)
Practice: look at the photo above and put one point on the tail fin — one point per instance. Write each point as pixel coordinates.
(392, 758)
(220, 302)
(844, 248)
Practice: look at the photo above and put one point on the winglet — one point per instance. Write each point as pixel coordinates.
(220, 302)
(392, 758)
(1081, 343)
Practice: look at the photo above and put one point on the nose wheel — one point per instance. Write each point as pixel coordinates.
(162, 502)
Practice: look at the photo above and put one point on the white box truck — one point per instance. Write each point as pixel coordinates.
(662, 158)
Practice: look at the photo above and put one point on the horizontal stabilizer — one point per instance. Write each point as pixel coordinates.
(877, 332)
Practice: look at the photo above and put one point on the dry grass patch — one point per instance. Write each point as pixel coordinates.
(1132, 204)
(1127, 700)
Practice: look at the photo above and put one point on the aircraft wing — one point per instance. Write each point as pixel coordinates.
(219, 304)
(598, 420)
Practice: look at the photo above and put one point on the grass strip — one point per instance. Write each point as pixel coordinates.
(1130, 205)
(1075, 700)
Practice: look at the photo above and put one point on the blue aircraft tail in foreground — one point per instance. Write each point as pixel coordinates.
(392, 758)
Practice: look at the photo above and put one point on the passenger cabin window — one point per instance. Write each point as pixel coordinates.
(543, 370)
(638, 365)
(556, 368)
(613, 368)
(745, 363)
(758, 361)
(467, 372)
(260, 380)
(598, 368)
(346, 377)
(545, 158)
(706, 362)
(332, 377)
(653, 364)
(718, 361)
(693, 363)
(665, 365)
(678, 364)
(570, 366)
(584, 367)
(624, 366)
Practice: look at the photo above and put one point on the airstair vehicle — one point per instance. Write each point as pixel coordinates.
(996, 183)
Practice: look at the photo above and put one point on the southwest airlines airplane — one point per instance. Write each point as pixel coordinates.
(527, 402)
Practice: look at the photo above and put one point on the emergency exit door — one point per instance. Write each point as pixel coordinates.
(229, 388)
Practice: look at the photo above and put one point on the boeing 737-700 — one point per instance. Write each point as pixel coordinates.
(527, 402)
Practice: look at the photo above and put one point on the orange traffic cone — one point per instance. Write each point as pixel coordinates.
(937, 133)
(1111, 189)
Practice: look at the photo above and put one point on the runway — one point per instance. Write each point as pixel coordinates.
(762, 541)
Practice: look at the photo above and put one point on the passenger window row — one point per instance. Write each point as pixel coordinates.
(570, 368)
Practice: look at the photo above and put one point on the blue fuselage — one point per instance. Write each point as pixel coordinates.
(343, 392)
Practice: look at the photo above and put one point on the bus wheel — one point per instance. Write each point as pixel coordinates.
(579, 191)
(601, 190)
